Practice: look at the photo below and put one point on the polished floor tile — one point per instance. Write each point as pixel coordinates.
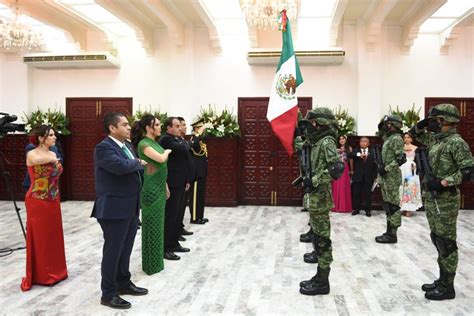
(248, 261)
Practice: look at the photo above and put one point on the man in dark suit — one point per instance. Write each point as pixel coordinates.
(363, 177)
(117, 184)
(198, 188)
(189, 180)
(177, 176)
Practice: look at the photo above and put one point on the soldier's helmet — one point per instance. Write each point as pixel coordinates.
(323, 116)
(394, 119)
(446, 111)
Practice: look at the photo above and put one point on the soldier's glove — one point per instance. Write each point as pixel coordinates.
(381, 170)
(435, 185)
(422, 124)
(308, 183)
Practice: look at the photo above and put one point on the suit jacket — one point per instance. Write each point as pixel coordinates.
(363, 169)
(178, 160)
(200, 161)
(117, 182)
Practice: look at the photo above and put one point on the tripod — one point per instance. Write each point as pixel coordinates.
(8, 188)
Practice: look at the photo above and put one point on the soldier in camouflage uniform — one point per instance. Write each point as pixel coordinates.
(451, 161)
(390, 175)
(310, 257)
(325, 166)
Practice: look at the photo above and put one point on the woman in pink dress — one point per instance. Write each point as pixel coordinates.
(341, 188)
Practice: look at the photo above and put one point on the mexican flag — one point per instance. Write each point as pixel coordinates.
(283, 105)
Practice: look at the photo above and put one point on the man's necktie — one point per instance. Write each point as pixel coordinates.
(127, 152)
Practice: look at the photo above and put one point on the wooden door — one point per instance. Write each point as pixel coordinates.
(86, 124)
(466, 129)
(266, 171)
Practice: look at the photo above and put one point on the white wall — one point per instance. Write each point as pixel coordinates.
(181, 80)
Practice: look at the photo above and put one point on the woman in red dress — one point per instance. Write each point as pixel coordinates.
(45, 258)
(341, 188)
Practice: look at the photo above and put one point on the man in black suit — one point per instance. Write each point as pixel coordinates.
(198, 188)
(117, 184)
(363, 177)
(189, 180)
(177, 177)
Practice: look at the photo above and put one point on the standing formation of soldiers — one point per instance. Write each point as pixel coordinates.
(448, 162)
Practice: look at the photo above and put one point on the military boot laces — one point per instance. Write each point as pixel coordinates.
(307, 282)
(311, 257)
(431, 286)
(444, 290)
(307, 237)
(319, 284)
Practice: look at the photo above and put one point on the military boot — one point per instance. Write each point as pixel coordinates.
(307, 237)
(389, 237)
(431, 286)
(445, 288)
(319, 283)
(312, 257)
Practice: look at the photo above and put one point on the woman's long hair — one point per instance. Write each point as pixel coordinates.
(347, 148)
(37, 132)
(139, 128)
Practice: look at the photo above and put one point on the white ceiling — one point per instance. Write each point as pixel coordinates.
(115, 19)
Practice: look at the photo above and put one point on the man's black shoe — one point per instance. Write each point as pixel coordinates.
(368, 213)
(355, 212)
(205, 220)
(181, 238)
(181, 249)
(198, 221)
(116, 302)
(186, 232)
(133, 290)
(169, 255)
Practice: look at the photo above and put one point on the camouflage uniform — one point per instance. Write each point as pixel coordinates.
(319, 201)
(449, 156)
(390, 177)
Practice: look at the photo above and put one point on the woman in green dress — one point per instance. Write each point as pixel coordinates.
(154, 193)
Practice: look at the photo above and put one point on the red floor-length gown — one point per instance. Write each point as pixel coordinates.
(341, 190)
(45, 258)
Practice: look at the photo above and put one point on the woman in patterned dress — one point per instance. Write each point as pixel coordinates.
(411, 188)
(154, 193)
(45, 256)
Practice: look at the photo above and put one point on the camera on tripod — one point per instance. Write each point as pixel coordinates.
(7, 126)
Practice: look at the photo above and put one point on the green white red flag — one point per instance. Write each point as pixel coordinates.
(283, 105)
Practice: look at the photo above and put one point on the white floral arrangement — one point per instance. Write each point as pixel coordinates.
(222, 124)
(345, 122)
(409, 117)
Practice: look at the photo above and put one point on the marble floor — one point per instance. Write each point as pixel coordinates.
(248, 261)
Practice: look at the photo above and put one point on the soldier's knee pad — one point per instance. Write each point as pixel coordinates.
(445, 246)
(322, 244)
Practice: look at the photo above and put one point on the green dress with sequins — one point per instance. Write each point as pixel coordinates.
(153, 200)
